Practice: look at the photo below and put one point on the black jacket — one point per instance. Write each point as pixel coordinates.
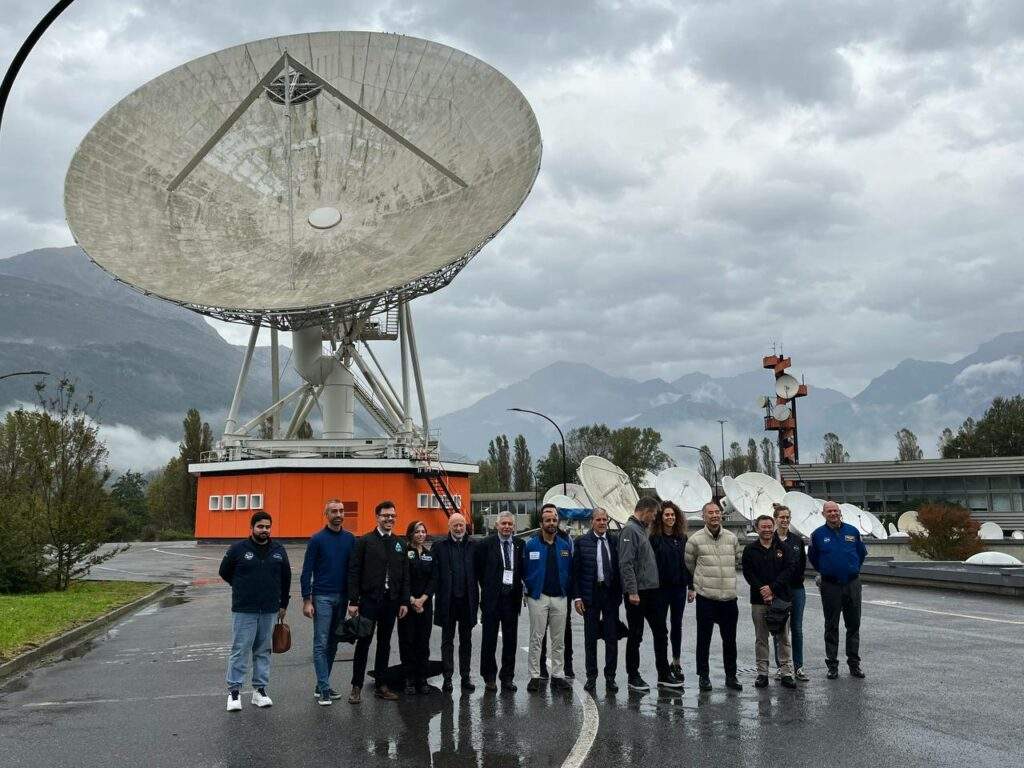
(371, 557)
(798, 556)
(421, 573)
(259, 578)
(669, 551)
(767, 565)
(584, 569)
(490, 569)
(444, 552)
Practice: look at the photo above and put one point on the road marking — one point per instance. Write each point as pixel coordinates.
(81, 702)
(900, 606)
(588, 731)
(182, 554)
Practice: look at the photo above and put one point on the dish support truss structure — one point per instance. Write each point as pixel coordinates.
(789, 441)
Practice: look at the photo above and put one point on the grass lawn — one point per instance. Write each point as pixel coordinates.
(28, 620)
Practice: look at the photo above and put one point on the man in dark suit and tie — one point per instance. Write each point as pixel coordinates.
(499, 568)
(456, 600)
(598, 591)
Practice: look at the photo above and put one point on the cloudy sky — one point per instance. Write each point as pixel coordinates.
(843, 178)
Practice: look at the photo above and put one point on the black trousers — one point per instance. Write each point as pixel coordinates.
(845, 600)
(506, 616)
(724, 613)
(568, 645)
(384, 612)
(647, 610)
(601, 621)
(672, 604)
(459, 620)
(414, 644)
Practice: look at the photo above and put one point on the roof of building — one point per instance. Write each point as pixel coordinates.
(997, 465)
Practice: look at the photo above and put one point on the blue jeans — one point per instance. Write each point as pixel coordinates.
(251, 634)
(328, 612)
(796, 623)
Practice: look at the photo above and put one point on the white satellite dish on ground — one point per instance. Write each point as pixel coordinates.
(896, 533)
(1017, 535)
(992, 558)
(737, 497)
(908, 523)
(608, 487)
(877, 529)
(564, 502)
(856, 517)
(686, 488)
(763, 490)
(804, 515)
(572, 490)
(990, 532)
(786, 386)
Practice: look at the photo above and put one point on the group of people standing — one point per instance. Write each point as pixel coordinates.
(653, 567)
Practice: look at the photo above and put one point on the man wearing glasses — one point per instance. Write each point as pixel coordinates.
(378, 589)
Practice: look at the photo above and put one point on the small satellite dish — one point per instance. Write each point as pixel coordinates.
(877, 529)
(787, 386)
(763, 401)
(990, 532)
(781, 412)
(564, 502)
(893, 530)
(804, 515)
(908, 523)
(1017, 535)
(737, 496)
(573, 491)
(688, 489)
(609, 487)
(762, 490)
(993, 558)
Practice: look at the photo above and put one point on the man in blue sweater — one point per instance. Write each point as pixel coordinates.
(260, 577)
(837, 553)
(547, 583)
(324, 585)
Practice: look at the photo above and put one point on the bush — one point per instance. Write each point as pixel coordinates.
(952, 533)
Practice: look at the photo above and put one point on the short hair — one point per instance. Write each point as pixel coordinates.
(334, 501)
(599, 510)
(647, 504)
(704, 507)
(382, 506)
(410, 530)
(546, 507)
(257, 516)
(757, 522)
(505, 513)
(776, 508)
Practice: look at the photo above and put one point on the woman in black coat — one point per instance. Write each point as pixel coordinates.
(414, 629)
(668, 538)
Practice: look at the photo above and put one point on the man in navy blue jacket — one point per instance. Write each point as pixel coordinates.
(260, 576)
(598, 591)
(324, 585)
(547, 582)
(837, 553)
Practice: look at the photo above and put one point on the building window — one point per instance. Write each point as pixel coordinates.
(242, 501)
(853, 486)
(1000, 502)
(977, 502)
(227, 503)
(1000, 482)
(976, 483)
(914, 485)
(256, 501)
(214, 503)
(893, 485)
(874, 485)
(933, 485)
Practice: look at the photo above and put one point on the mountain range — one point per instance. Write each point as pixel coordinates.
(147, 361)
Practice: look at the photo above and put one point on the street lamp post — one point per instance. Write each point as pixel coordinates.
(24, 373)
(721, 428)
(705, 453)
(565, 488)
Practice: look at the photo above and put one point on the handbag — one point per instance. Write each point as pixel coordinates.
(355, 627)
(777, 615)
(281, 639)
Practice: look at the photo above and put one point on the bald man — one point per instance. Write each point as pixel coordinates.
(456, 600)
(837, 553)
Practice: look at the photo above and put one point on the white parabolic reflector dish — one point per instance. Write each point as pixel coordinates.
(609, 487)
(737, 496)
(402, 158)
(688, 489)
(857, 517)
(993, 558)
(804, 515)
(564, 502)
(990, 532)
(907, 523)
(574, 491)
(762, 490)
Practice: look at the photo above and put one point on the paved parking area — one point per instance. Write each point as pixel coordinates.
(944, 688)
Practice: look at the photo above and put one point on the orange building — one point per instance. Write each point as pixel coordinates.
(294, 491)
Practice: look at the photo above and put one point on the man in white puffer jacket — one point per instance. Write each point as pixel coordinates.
(712, 555)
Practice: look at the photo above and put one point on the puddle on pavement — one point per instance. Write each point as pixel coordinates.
(78, 651)
(177, 597)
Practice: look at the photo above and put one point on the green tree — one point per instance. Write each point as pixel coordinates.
(999, 432)
(753, 463)
(129, 495)
(907, 448)
(768, 464)
(170, 503)
(707, 465)
(944, 439)
(834, 453)
(952, 534)
(500, 458)
(735, 463)
(592, 440)
(23, 558)
(486, 480)
(637, 451)
(522, 466)
(549, 469)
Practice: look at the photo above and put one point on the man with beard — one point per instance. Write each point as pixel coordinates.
(547, 577)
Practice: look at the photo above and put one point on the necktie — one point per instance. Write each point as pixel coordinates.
(508, 557)
(606, 563)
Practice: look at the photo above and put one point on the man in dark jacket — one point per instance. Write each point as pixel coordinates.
(499, 568)
(837, 553)
(598, 592)
(324, 585)
(767, 567)
(260, 576)
(456, 600)
(378, 588)
(798, 554)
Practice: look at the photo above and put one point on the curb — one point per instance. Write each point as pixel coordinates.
(75, 636)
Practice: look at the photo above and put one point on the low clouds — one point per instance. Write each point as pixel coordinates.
(842, 178)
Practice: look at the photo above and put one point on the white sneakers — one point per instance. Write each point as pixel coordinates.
(234, 702)
(260, 698)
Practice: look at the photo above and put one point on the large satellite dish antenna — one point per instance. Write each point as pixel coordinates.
(907, 523)
(688, 489)
(565, 502)
(314, 183)
(990, 532)
(786, 386)
(993, 558)
(574, 491)
(804, 515)
(762, 490)
(737, 497)
(609, 487)
(857, 517)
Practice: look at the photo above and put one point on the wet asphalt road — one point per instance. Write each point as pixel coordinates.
(942, 690)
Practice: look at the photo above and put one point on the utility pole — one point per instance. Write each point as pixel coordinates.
(721, 427)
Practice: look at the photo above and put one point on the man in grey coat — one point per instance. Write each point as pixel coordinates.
(639, 569)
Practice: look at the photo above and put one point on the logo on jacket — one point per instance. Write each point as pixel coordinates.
(850, 538)
(412, 554)
(826, 540)
(778, 553)
(248, 555)
(277, 555)
(398, 546)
